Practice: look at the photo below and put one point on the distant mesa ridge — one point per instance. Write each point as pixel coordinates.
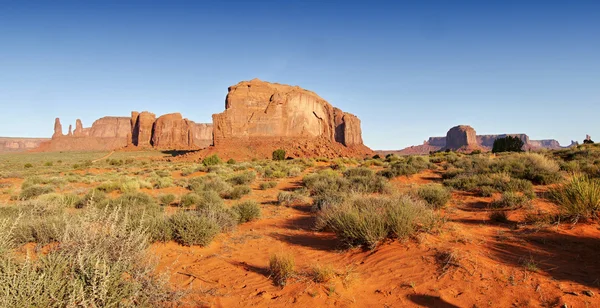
(259, 116)
(464, 138)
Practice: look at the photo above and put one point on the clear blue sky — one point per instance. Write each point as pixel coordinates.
(408, 69)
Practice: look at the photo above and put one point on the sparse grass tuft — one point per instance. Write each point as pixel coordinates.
(434, 194)
(578, 198)
(281, 268)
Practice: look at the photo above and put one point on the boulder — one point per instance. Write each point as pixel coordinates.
(461, 137)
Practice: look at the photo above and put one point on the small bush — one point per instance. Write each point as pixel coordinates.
(212, 160)
(499, 216)
(28, 165)
(279, 154)
(231, 161)
(247, 210)
(48, 164)
(208, 200)
(578, 198)
(243, 178)
(486, 191)
(93, 198)
(435, 195)
(288, 198)
(281, 268)
(167, 199)
(34, 191)
(190, 228)
(267, 185)
(237, 192)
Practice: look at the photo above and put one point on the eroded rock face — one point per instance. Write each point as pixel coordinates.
(462, 136)
(171, 130)
(258, 109)
(79, 130)
(20, 144)
(142, 124)
(201, 134)
(111, 127)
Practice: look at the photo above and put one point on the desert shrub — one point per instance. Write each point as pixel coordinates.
(361, 171)
(108, 187)
(485, 191)
(226, 218)
(365, 221)
(135, 199)
(163, 182)
(34, 191)
(99, 263)
(28, 165)
(328, 199)
(237, 192)
(93, 198)
(189, 200)
(243, 178)
(288, 198)
(62, 200)
(189, 228)
(212, 160)
(166, 199)
(163, 173)
(578, 198)
(293, 172)
(209, 199)
(507, 144)
(405, 166)
(434, 194)
(267, 185)
(281, 268)
(534, 167)
(231, 161)
(279, 154)
(129, 185)
(48, 164)
(247, 210)
(209, 182)
(511, 200)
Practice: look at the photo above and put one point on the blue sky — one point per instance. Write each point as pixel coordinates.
(408, 69)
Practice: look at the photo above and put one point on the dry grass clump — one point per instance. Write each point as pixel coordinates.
(321, 274)
(405, 166)
(578, 198)
(366, 220)
(510, 200)
(189, 228)
(281, 268)
(33, 191)
(267, 185)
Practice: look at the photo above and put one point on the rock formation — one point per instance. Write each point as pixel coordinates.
(258, 118)
(461, 137)
(70, 133)
(20, 144)
(142, 124)
(57, 128)
(257, 110)
(484, 142)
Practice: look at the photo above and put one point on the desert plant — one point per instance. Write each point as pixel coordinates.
(189, 228)
(212, 160)
(167, 199)
(267, 185)
(243, 178)
(279, 154)
(238, 192)
(321, 274)
(288, 198)
(578, 198)
(511, 200)
(281, 268)
(434, 194)
(34, 191)
(507, 144)
(189, 200)
(499, 216)
(247, 210)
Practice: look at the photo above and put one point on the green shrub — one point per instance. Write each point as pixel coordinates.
(212, 160)
(163, 182)
(486, 191)
(34, 191)
(281, 268)
(238, 192)
(499, 216)
(231, 161)
(108, 187)
(28, 165)
(578, 198)
(507, 144)
(279, 154)
(226, 218)
(209, 199)
(267, 185)
(167, 199)
(48, 164)
(434, 194)
(189, 228)
(247, 210)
